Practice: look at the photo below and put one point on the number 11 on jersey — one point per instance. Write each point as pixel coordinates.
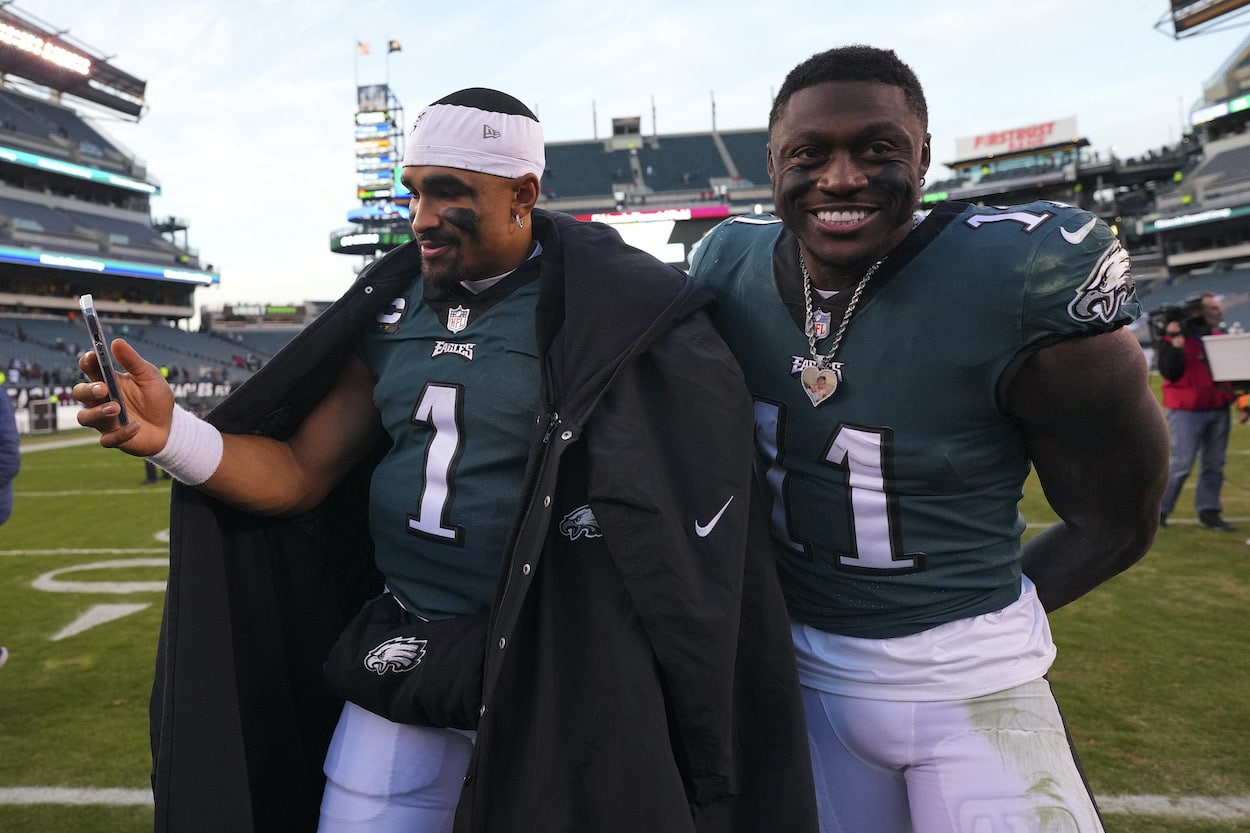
(861, 457)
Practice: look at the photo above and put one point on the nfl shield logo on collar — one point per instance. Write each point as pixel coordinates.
(457, 319)
(820, 323)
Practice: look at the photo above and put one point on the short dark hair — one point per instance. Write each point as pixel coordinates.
(492, 101)
(853, 63)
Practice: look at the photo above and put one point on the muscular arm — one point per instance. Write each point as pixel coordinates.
(258, 474)
(270, 477)
(1099, 443)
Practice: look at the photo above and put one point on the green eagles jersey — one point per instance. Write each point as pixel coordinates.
(457, 383)
(895, 500)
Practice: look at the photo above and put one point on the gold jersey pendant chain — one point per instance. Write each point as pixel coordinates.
(819, 379)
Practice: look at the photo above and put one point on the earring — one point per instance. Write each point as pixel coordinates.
(921, 182)
(519, 222)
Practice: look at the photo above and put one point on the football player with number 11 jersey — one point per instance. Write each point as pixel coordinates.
(906, 377)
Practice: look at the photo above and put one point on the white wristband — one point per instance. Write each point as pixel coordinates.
(193, 451)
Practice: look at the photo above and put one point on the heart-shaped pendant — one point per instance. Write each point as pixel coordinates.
(818, 384)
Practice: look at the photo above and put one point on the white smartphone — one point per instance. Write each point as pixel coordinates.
(102, 353)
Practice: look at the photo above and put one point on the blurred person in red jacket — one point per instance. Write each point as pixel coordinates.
(1197, 407)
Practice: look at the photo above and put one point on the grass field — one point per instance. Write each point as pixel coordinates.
(1153, 670)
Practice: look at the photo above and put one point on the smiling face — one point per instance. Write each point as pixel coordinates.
(465, 221)
(845, 159)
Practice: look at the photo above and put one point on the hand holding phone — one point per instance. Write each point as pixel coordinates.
(102, 353)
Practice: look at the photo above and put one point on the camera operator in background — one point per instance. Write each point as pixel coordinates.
(1197, 407)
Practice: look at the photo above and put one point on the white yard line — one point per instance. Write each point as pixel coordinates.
(66, 443)
(114, 796)
(1212, 808)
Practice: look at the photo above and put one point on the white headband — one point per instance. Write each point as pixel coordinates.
(456, 136)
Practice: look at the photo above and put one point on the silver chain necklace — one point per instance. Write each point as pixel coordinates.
(819, 379)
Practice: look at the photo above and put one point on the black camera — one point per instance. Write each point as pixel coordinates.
(1160, 317)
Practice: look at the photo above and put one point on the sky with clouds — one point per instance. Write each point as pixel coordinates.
(249, 130)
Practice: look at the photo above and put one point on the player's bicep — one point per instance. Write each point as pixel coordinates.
(1095, 432)
(275, 477)
(339, 431)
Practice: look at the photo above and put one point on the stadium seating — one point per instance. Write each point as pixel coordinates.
(48, 344)
(54, 345)
(122, 231)
(1219, 180)
(1019, 172)
(1232, 285)
(42, 217)
(583, 169)
(59, 365)
(60, 333)
(1230, 164)
(179, 347)
(16, 118)
(133, 239)
(43, 120)
(681, 162)
(264, 343)
(748, 149)
(677, 163)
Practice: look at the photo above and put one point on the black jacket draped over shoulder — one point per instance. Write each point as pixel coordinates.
(639, 675)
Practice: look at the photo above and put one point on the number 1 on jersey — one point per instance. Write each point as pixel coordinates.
(863, 455)
(438, 407)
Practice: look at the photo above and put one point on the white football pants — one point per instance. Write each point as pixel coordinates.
(1001, 763)
(384, 777)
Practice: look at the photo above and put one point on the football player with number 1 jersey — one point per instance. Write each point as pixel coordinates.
(906, 377)
(509, 416)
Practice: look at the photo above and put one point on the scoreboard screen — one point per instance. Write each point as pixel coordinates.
(30, 51)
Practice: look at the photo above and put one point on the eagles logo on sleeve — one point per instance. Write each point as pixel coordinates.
(1107, 288)
(581, 521)
(403, 653)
